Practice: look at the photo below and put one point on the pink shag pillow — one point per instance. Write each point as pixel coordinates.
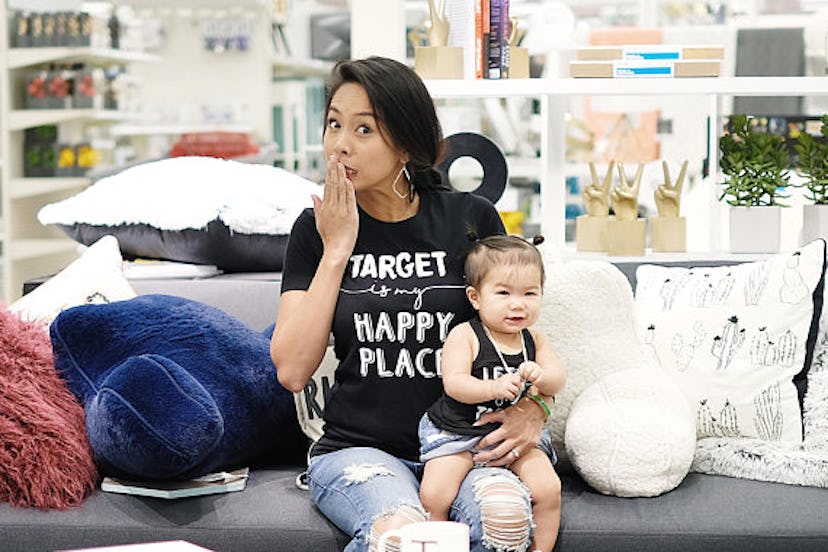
(45, 458)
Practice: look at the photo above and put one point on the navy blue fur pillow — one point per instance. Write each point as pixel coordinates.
(173, 388)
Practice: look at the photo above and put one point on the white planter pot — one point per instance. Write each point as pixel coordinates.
(755, 229)
(814, 222)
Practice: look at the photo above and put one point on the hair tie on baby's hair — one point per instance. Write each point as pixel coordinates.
(538, 239)
(471, 235)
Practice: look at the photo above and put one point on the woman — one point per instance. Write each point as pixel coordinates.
(379, 261)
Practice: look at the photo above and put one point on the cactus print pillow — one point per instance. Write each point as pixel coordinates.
(737, 339)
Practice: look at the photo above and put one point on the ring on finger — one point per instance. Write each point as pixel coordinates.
(516, 453)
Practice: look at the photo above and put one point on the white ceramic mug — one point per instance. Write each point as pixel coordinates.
(429, 536)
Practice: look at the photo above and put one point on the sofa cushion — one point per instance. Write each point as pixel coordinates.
(738, 340)
(237, 215)
(173, 388)
(45, 458)
(95, 277)
(271, 514)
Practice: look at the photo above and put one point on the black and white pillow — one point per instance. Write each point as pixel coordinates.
(739, 340)
(200, 210)
(97, 276)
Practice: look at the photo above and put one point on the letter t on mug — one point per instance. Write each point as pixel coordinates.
(429, 536)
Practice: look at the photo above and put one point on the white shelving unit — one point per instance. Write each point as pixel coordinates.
(304, 67)
(17, 58)
(174, 129)
(554, 94)
(30, 249)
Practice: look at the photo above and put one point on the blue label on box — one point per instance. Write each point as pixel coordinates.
(652, 55)
(654, 71)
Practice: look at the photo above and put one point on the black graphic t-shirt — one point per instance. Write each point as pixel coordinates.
(402, 291)
(452, 415)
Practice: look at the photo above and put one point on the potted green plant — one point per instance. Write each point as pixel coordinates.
(756, 169)
(812, 166)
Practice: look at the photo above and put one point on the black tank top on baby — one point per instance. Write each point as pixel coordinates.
(452, 415)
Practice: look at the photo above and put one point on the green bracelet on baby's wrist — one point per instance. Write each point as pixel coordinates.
(542, 403)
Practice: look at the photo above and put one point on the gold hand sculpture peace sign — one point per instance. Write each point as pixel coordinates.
(625, 196)
(667, 195)
(516, 33)
(437, 31)
(596, 195)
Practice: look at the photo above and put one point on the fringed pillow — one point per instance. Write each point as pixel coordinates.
(45, 458)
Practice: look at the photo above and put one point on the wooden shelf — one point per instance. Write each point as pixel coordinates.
(18, 58)
(20, 188)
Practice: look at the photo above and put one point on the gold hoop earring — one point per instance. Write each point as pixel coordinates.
(394, 184)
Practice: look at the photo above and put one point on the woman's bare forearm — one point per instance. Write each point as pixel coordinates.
(303, 326)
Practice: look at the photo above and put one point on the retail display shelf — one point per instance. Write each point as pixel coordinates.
(17, 58)
(27, 249)
(570, 253)
(298, 67)
(20, 188)
(554, 94)
(20, 119)
(723, 86)
(173, 129)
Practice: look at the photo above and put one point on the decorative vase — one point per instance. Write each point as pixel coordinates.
(814, 222)
(755, 229)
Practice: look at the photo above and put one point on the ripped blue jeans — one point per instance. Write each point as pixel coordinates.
(355, 486)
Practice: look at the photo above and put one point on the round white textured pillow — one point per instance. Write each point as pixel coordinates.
(587, 315)
(631, 433)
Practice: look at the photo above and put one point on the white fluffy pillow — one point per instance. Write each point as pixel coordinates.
(96, 277)
(588, 316)
(187, 193)
(200, 210)
(631, 433)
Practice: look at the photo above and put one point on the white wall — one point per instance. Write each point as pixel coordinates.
(190, 80)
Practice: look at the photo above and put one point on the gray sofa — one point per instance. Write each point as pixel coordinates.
(703, 513)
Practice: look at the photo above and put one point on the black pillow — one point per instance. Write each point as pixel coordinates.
(215, 245)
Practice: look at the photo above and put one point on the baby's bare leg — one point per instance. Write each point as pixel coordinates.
(442, 477)
(536, 471)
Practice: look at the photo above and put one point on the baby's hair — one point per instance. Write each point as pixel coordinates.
(501, 249)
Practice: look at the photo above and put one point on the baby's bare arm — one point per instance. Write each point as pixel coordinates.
(546, 373)
(459, 351)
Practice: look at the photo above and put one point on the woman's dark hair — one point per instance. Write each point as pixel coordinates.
(403, 109)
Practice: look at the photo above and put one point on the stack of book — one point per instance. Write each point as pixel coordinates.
(659, 60)
(477, 45)
(212, 483)
(492, 28)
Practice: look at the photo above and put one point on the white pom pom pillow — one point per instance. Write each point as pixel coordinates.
(631, 433)
(588, 316)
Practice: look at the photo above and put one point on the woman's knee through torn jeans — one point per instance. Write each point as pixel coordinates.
(354, 487)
